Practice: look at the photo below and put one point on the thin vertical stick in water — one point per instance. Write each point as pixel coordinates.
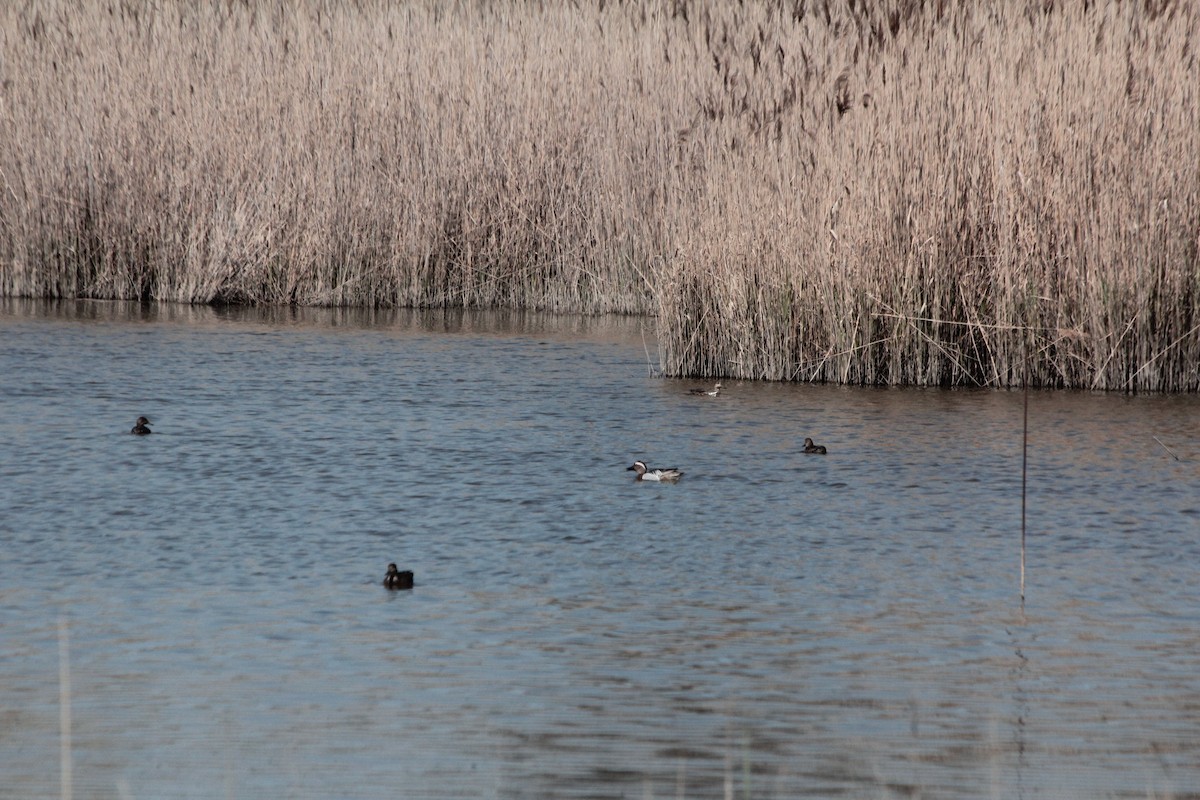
(64, 708)
(1024, 464)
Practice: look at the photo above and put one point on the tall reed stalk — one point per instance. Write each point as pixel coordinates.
(812, 190)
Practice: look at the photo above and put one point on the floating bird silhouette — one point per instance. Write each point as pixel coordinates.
(395, 579)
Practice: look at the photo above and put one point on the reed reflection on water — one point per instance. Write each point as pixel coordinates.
(774, 625)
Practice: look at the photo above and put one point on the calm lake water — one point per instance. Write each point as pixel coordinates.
(773, 626)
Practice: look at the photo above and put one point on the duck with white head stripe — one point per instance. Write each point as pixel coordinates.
(644, 473)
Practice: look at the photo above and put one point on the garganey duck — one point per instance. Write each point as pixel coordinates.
(811, 448)
(644, 473)
(142, 427)
(395, 579)
(715, 391)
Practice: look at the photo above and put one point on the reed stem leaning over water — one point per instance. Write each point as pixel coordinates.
(1169, 450)
(881, 194)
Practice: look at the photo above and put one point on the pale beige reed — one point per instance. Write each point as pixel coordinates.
(967, 194)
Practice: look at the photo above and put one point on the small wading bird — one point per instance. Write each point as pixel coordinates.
(644, 473)
(142, 427)
(715, 391)
(395, 579)
(811, 448)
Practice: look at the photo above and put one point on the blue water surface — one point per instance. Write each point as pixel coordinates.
(201, 610)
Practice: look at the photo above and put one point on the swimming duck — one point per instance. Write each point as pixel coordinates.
(395, 579)
(644, 473)
(716, 391)
(810, 448)
(142, 427)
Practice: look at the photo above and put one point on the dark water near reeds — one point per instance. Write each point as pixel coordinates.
(774, 626)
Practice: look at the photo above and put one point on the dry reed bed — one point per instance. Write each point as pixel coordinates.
(963, 194)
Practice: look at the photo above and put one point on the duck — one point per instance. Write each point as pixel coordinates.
(715, 391)
(644, 473)
(141, 428)
(811, 448)
(395, 579)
